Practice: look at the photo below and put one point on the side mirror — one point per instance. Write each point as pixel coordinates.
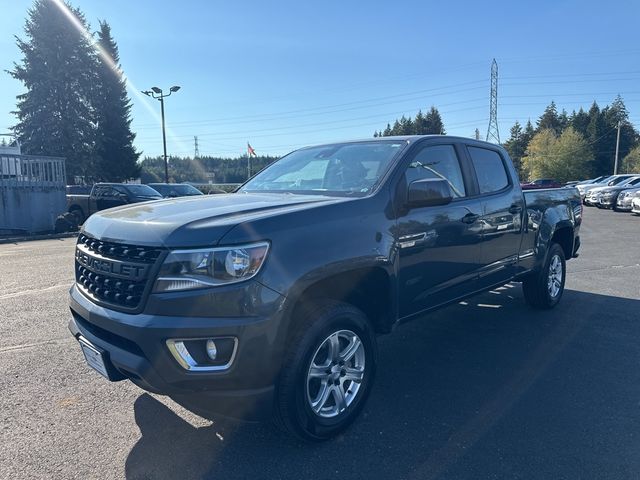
(428, 193)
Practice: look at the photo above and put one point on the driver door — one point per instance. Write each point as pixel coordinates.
(439, 254)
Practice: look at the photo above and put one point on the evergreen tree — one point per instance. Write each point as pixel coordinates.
(420, 124)
(56, 115)
(387, 131)
(515, 145)
(433, 122)
(529, 132)
(550, 119)
(117, 156)
(614, 114)
(580, 121)
(396, 129)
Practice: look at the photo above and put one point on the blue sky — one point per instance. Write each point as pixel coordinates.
(286, 74)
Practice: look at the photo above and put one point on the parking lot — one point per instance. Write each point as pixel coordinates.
(484, 389)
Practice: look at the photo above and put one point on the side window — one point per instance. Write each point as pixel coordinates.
(492, 176)
(99, 191)
(117, 191)
(438, 161)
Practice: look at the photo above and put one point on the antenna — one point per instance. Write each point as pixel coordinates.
(492, 132)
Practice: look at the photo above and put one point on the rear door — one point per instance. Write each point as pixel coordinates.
(438, 246)
(502, 212)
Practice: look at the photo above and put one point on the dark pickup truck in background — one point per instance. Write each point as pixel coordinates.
(268, 301)
(108, 195)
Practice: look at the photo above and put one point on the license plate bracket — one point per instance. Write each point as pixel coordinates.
(96, 358)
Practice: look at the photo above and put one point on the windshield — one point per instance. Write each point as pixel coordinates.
(618, 180)
(142, 191)
(340, 169)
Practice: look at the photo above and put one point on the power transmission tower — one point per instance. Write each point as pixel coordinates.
(492, 131)
(196, 152)
(477, 134)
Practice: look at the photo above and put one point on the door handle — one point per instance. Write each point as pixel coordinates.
(470, 218)
(515, 209)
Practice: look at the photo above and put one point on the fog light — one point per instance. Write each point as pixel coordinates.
(212, 350)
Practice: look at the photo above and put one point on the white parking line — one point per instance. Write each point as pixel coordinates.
(36, 290)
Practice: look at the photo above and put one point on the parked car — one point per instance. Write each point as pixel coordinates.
(78, 189)
(172, 190)
(625, 199)
(268, 301)
(592, 180)
(635, 205)
(608, 196)
(108, 195)
(590, 192)
(541, 183)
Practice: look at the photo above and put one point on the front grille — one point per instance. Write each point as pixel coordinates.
(114, 273)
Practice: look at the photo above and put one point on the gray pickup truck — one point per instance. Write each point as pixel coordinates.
(108, 195)
(267, 302)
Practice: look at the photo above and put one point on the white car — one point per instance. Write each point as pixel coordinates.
(592, 195)
(635, 206)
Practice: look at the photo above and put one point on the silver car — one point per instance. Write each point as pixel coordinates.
(607, 182)
(623, 204)
(594, 192)
(635, 206)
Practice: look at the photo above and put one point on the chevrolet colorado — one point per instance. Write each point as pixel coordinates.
(267, 301)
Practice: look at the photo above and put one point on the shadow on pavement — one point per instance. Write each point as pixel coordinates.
(490, 388)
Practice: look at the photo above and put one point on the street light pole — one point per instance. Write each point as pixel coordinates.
(615, 165)
(164, 143)
(156, 93)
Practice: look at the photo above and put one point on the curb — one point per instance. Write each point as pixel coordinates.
(28, 238)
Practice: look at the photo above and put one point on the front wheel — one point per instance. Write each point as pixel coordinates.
(544, 289)
(328, 372)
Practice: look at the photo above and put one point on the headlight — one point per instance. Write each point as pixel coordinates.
(191, 269)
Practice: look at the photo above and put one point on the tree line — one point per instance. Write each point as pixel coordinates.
(421, 124)
(577, 145)
(202, 169)
(75, 104)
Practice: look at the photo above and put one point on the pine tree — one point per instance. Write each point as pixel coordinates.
(420, 124)
(117, 156)
(55, 115)
(580, 121)
(433, 122)
(550, 119)
(516, 145)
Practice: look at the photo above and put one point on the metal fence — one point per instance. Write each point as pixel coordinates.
(31, 171)
(32, 192)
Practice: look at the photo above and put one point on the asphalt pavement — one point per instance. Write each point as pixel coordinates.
(488, 388)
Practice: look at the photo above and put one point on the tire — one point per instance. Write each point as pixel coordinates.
(543, 290)
(77, 212)
(315, 398)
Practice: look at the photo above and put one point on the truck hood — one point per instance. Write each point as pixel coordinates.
(193, 221)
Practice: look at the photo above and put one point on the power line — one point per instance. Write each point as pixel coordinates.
(261, 117)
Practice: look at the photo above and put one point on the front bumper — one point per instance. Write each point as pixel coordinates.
(135, 346)
(606, 202)
(623, 205)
